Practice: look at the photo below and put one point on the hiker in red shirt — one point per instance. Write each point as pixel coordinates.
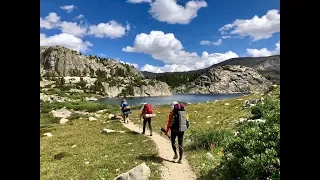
(146, 113)
(177, 123)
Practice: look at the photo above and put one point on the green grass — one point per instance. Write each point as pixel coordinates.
(47, 119)
(219, 114)
(108, 155)
(74, 116)
(78, 106)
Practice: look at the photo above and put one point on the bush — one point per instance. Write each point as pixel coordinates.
(209, 139)
(82, 83)
(48, 119)
(152, 83)
(264, 110)
(77, 116)
(255, 152)
(127, 91)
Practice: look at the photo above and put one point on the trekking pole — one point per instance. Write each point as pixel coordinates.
(139, 124)
(163, 130)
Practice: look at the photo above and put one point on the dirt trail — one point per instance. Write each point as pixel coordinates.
(170, 170)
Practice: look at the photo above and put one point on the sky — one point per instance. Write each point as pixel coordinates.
(163, 35)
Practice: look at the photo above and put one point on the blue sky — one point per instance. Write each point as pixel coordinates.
(163, 35)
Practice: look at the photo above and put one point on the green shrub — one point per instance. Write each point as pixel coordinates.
(262, 110)
(127, 91)
(77, 116)
(208, 139)
(255, 152)
(48, 119)
(82, 83)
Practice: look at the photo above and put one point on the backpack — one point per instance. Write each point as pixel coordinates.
(180, 118)
(125, 107)
(147, 108)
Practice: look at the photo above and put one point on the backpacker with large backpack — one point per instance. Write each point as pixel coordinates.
(180, 121)
(147, 108)
(125, 108)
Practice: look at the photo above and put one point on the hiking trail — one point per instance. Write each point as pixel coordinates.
(169, 169)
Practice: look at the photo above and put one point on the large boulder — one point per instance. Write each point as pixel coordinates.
(141, 172)
(63, 113)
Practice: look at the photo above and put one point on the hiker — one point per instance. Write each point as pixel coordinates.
(146, 113)
(125, 108)
(177, 123)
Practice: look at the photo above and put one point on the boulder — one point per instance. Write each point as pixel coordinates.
(63, 113)
(63, 121)
(141, 172)
(92, 119)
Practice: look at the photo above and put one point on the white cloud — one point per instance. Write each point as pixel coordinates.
(172, 13)
(49, 22)
(165, 68)
(80, 16)
(66, 40)
(68, 8)
(259, 53)
(139, 1)
(226, 37)
(278, 46)
(112, 29)
(205, 42)
(128, 27)
(264, 51)
(217, 43)
(167, 48)
(102, 55)
(73, 28)
(256, 28)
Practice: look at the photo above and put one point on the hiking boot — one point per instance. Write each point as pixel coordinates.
(150, 134)
(142, 133)
(175, 156)
(179, 161)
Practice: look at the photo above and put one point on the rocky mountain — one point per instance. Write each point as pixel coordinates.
(91, 73)
(269, 67)
(227, 79)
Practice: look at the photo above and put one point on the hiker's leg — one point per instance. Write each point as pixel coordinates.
(180, 142)
(150, 126)
(144, 126)
(173, 142)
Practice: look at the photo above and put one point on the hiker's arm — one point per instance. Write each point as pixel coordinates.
(169, 122)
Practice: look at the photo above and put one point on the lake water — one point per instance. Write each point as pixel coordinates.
(191, 98)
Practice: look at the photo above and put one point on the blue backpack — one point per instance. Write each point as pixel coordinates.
(125, 111)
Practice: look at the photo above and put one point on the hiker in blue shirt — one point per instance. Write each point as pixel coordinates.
(125, 108)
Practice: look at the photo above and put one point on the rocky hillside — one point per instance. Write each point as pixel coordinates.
(269, 67)
(69, 69)
(227, 79)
